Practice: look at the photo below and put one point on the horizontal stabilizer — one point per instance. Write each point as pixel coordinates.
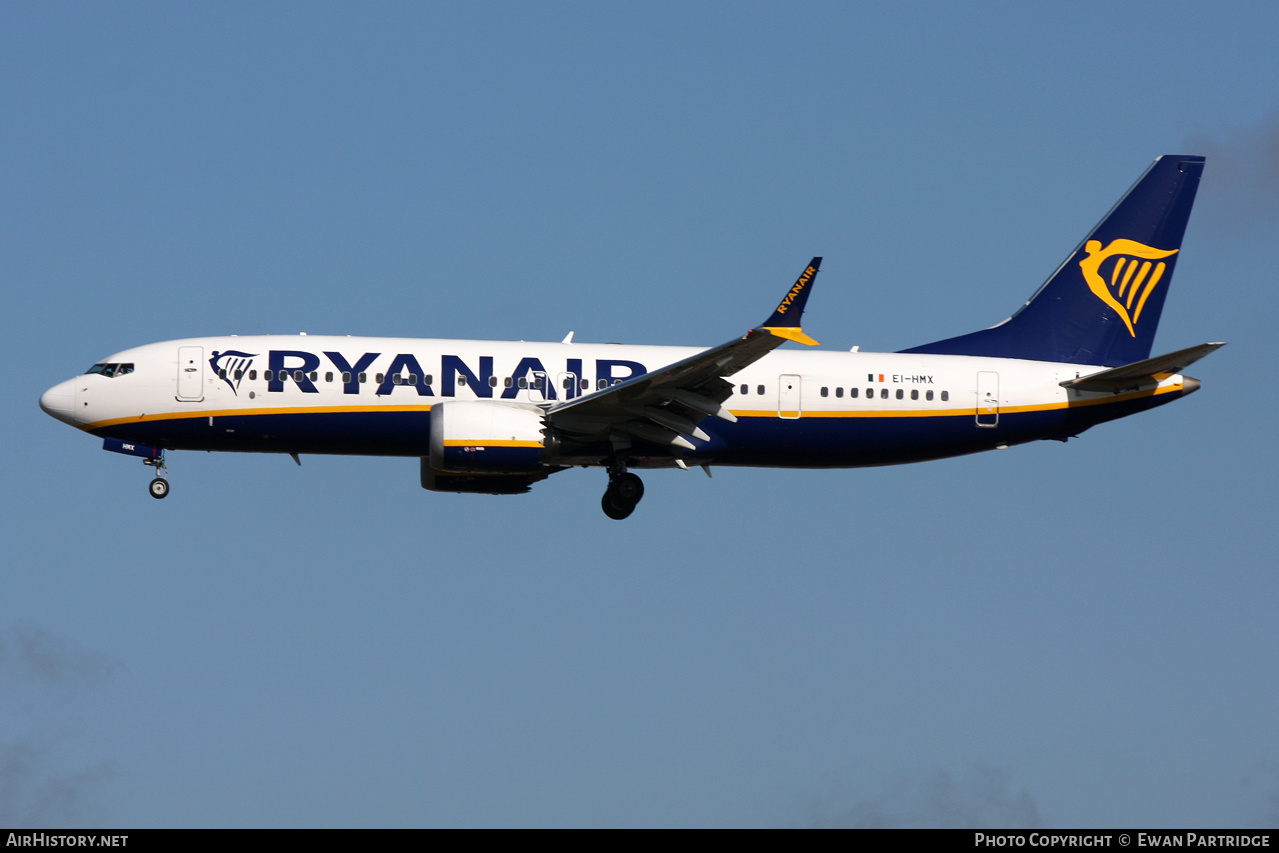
(1142, 372)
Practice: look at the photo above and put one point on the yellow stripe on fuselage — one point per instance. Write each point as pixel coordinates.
(230, 413)
(459, 442)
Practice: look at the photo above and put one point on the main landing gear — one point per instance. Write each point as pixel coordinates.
(159, 487)
(623, 493)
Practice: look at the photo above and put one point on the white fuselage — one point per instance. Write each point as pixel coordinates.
(355, 395)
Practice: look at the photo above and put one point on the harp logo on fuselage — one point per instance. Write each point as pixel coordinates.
(231, 366)
(1123, 275)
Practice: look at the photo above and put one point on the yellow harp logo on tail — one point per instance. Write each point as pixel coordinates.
(1128, 278)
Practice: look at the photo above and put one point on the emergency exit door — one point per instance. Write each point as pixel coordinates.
(788, 404)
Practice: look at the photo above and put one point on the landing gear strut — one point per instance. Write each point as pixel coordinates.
(623, 493)
(159, 487)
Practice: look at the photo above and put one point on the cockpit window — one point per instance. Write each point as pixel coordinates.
(112, 369)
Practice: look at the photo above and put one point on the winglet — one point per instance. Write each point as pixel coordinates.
(785, 322)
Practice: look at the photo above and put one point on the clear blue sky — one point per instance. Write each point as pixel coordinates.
(1056, 635)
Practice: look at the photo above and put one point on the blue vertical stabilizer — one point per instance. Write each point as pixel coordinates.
(1102, 305)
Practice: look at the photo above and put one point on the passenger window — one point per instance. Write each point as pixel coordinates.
(870, 393)
(427, 381)
(239, 374)
(839, 392)
(745, 390)
(507, 382)
(492, 381)
(601, 384)
(900, 393)
(397, 379)
(268, 375)
(315, 375)
(945, 395)
(524, 382)
(928, 395)
(883, 393)
(568, 383)
(824, 391)
(222, 373)
(328, 376)
(363, 377)
(852, 392)
(380, 378)
(461, 380)
(298, 376)
(253, 375)
(586, 383)
(760, 389)
(914, 395)
(346, 377)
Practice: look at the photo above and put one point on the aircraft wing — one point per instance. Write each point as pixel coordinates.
(666, 405)
(1142, 372)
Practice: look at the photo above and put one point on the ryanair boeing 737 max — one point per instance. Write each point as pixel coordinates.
(496, 417)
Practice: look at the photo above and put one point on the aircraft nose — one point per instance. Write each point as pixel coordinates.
(59, 401)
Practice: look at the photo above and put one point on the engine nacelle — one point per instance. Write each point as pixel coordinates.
(487, 437)
(478, 484)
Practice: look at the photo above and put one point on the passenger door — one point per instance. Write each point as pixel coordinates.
(987, 398)
(191, 374)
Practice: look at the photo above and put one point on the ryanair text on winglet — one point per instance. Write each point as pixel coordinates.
(794, 291)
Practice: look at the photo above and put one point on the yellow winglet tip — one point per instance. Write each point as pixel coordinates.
(791, 333)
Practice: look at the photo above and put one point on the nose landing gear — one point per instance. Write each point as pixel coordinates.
(159, 487)
(623, 493)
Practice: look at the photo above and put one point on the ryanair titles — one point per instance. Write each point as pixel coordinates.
(800, 284)
(404, 372)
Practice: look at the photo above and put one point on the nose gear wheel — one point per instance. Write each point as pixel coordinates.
(159, 487)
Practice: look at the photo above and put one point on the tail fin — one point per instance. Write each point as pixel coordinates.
(1102, 305)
